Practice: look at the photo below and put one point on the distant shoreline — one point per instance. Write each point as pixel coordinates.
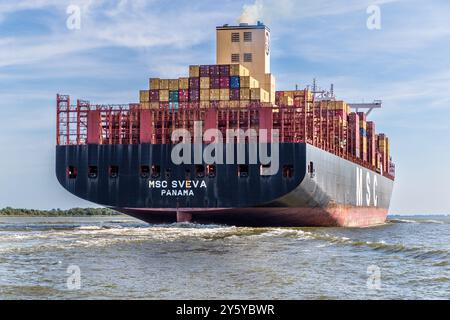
(74, 212)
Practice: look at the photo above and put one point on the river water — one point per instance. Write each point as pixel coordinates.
(122, 258)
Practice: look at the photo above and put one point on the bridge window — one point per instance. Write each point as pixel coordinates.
(199, 171)
(145, 172)
(243, 171)
(113, 171)
(156, 171)
(187, 173)
(288, 171)
(72, 172)
(247, 37)
(93, 172)
(211, 170)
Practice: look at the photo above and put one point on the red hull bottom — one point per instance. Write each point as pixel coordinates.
(267, 217)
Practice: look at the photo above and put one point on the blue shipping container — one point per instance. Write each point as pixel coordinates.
(235, 82)
(173, 96)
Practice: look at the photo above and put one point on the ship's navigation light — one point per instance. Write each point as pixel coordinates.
(211, 170)
(72, 172)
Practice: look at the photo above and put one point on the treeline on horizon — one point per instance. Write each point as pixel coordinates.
(8, 211)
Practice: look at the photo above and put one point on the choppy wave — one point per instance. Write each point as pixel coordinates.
(62, 237)
(417, 220)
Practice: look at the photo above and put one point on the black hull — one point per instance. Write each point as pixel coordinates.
(331, 196)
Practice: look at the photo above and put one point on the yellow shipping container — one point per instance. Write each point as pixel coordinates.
(223, 104)
(163, 84)
(204, 95)
(289, 94)
(154, 84)
(204, 104)
(204, 82)
(238, 70)
(173, 84)
(286, 101)
(249, 82)
(163, 95)
(145, 105)
(154, 105)
(214, 94)
(244, 103)
(244, 93)
(144, 96)
(183, 83)
(224, 94)
(194, 71)
(234, 104)
(259, 94)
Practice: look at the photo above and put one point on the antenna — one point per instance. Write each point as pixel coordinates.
(296, 87)
(332, 90)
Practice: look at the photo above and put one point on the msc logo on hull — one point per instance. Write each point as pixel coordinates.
(366, 191)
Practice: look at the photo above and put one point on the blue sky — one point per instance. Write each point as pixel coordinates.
(122, 43)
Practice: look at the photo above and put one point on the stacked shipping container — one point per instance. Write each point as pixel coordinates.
(328, 124)
(207, 86)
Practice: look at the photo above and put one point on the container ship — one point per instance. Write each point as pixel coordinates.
(222, 146)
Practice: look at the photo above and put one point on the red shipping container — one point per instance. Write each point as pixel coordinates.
(224, 82)
(214, 83)
(214, 71)
(204, 71)
(194, 95)
(224, 70)
(154, 95)
(184, 105)
(194, 83)
(235, 94)
(353, 138)
(164, 105)
(183, 95)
